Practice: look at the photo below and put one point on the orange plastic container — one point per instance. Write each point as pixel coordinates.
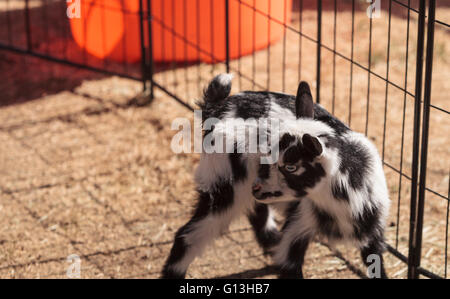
(183, 30)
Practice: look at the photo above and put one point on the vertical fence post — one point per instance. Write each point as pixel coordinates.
(425, 129)
(319, 45)
(27, 25)
(150, 48)
(415, 155)
(143, 52)
(227, 34)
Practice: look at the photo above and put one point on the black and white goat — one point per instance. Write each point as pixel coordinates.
(224, 180)
(335, 181)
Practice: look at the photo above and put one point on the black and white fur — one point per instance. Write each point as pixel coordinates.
(335, 182)
(224, 181)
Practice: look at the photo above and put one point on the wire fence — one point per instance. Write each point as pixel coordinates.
(380, 67)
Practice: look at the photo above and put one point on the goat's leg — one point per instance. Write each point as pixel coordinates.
(264, 227)
(293, 256)
(372, 256)
(289, 254)
(213, 214)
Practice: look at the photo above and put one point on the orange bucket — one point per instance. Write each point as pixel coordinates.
(183, 30)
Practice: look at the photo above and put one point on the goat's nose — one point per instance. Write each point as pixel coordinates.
(256, 187)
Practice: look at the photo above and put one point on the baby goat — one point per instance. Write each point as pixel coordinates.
(334, 179)
(224, 181)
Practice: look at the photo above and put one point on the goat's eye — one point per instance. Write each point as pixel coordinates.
(290, 168)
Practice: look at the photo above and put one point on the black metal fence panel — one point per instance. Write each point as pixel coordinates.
(386, 95)
(380, 67)
(44, 29)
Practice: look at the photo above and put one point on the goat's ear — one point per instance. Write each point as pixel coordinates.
(285, 141)
(304, 106)
(312, 145)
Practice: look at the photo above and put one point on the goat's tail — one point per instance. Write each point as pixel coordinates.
(218, 89)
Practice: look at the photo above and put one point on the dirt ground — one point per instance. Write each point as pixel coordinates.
(97, 178)
(85, 171)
